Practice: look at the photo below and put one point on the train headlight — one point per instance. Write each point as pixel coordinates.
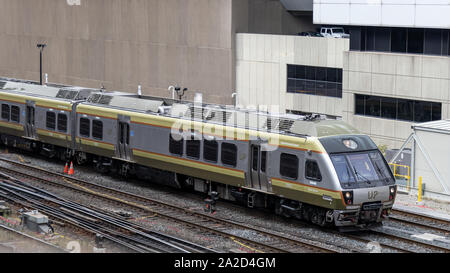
(348, 197)
(392, 191)
(351, 144)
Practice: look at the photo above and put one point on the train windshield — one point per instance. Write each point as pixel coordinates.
(364, 167)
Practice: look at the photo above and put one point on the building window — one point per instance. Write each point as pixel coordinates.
(97, 129)
(400, 40)
(15, 114)
(51, 120)
(312, 80)
(229, 154)
(176, 144)
(289, 166)
(397, 109)
(62, 122)
(312, 171)
(5, 112)
(85, 127)
(210, 150)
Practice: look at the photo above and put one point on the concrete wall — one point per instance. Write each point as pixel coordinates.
(408, 76)
(262, 70)
(121, 43)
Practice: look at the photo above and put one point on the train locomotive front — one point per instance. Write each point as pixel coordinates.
(364, 178)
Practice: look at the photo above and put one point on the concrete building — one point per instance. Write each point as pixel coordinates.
(393, 72)
(123, 43)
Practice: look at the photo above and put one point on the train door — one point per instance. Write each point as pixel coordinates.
(123, 150)
(258, 167)
(30, 121)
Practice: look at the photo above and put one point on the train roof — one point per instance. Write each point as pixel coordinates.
(287, 124)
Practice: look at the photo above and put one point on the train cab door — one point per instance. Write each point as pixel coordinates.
(30, 120)
(123, 150)
(258, 178)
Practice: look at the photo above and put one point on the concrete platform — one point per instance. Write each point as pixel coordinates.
(421, 209)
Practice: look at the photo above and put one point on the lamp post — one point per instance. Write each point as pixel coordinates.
(41, 49)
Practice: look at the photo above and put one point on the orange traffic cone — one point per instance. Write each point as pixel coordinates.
(66, 168)
(71, 168)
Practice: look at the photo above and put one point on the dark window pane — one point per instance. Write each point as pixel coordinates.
(372, 106)
(339, 76)
(382, 39)
(263, 161)
(405, 109)
(433, 41)
(5, 111)
(289, 166)
(210, 150)
(437, 111)
(389, 108)
(422, 111)
(51, 120)
(355, 38)
(255, 155)
(291, 71)
(415, 40)
(332, 89)
(312, 171)
(398, 42)
(300, 86)
(444, 42)
(176, 144)
(370, 41)
(15, 114)
(332, 74)
(62, 122)
(310, 87)
(321, 89)
(299, 72)
(291, 85)
(97, 129)
(321, 74)
(229, 154)
(193, 148)
(85, 127)
(310, 73)
(359, 104)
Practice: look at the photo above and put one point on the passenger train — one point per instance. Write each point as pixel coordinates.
(303, 166)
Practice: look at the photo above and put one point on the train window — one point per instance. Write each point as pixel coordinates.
(51, 120)
(312, 171)
(85, 127)
(176, 144)
(263, 161)
(62, 122)
(5, 111)
(289, 166)
(97, 129)
(15, 114)
(229, 154)
(193, 147)
(210, 150)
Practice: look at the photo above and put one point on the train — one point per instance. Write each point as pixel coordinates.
(308, 167)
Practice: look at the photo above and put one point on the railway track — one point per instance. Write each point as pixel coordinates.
(111, 227)
(268, 241)
(13, 241)
(421, 221)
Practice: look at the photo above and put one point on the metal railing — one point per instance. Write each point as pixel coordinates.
(396, 169)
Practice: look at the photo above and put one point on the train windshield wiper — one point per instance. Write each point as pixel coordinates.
(361, 176)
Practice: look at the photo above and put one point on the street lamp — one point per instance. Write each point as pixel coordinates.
(41, 49)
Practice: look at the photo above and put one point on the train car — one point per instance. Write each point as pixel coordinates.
(303, 166)
(39, 118)
(307, 167)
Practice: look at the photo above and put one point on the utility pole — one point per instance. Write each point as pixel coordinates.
(41, 49)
